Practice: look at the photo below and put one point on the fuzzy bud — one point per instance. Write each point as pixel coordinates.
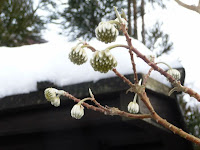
(123, 22)
(77, 111)
(103, 61)
(174, 73)
(50, 94)
(133, 107)
(78, 55)
(106, 32)
(56, 102)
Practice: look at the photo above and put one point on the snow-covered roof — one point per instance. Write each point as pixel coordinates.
(22, 67)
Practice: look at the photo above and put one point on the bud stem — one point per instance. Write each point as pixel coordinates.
(164, 64)
(118, 15)
(83, 100)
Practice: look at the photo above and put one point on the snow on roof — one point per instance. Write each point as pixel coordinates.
(22, 67)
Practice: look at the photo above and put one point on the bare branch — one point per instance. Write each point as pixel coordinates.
(108, 110)
(134, 66)
(191, 7)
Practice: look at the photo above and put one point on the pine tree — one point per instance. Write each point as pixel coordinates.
(135, 13)
(129, 18)
(82, 16)
(19, 23)
(157, 39)
(143, 25)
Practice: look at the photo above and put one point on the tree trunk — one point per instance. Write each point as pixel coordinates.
(129, 18)
(142, 15)
(135, 19)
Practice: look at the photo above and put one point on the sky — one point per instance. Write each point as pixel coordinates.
(181, 24)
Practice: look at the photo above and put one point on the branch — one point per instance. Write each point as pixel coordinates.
(108, 110)
(146, 100)
(176, 130)
(164, 122)
(191, 7)
(147, 77)
(123, 77)
(134, 66)
(155, 67)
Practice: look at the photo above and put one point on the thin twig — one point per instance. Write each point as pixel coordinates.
(155, 67)
(134, 67)
(146, 100)
(147, 77)
(123, 77)
(108, 110)
(191, 7)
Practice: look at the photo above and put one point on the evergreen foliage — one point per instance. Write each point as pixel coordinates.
(19, 23)
(158, 39)
(82, 16)
(192, 118)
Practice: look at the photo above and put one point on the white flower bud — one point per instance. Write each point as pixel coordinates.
(56, 101)
(50, 94)
(133, 107)
(77, 111)
(106, 32)
(78, 55)
(174, 73)
(103, 61)
(123, 22)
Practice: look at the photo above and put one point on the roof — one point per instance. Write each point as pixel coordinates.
(29, 117)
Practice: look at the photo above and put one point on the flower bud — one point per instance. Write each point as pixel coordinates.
(50, 94)
(123, 22)
(174, 73)
(78, 55)
(133, 107)
(106, 32)
(56, 101)
(103, 61)
(77, 111)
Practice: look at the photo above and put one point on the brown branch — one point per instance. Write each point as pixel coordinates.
(107, 110)
(123, 78)
(84, 104)
(155, 67)
(176, 130)
(191, 7)
(147, 76)
(165, 123)
(90, 47)
(147, 102)
(192, 93)
(115, 111)
(134, 67)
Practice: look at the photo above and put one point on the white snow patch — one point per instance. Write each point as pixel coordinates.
(22, 67)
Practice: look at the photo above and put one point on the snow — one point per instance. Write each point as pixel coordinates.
(183, 26)
(22, 67)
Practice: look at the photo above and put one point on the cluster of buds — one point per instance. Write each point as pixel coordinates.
(174, 73)
(78, 55)
(53, 95)
(103, 61)
(106, 32)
